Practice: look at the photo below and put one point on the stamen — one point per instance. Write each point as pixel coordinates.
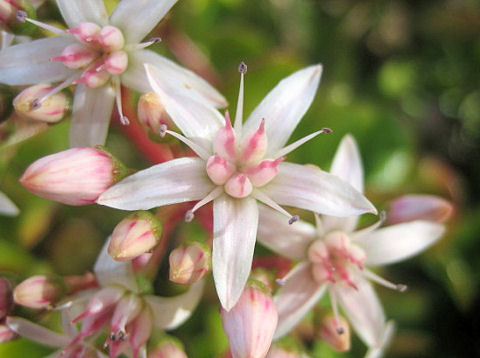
(118, 100)
(142, 45)
(257, 194)
(36, 103)
(334, 303)
(357, 235)
(380, 280)
(162, 130)
(242, 68)
(284, 151)
(22, 17)
(202, 153)
(293, 219)
(282, 281)
(215, 193)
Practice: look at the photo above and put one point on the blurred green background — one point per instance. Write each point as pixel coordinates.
(401, 76)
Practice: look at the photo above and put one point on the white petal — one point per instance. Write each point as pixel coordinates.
(36, 333)
(30, 63)
(234, 232)
(171, 312)
(310, 188)
(92, 109)
(377, 352)
(285, 106)
(108, 271)
(136, 18)
(197, 120)
(7, 207)
(74, 12)
(363, 309)
(175, 181)
(296, 297)
(277, 234)
(399, 242)
(170, 74)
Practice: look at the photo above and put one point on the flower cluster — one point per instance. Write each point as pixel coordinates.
(240, 168)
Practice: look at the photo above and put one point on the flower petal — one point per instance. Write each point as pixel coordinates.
(296, 297)
(108, 271)
(147, 13)
(377, 352)
(175, 181)
(234, 231)
(92, 109)
(285, 106)
(310, 188)
(363, 309)
(74, 12)
(7, 207)
(29, 63)
(171, 74)
(36, 333)
(197, 120)
(171, 312)
(399, 242)
(277, 234)
(419, 207)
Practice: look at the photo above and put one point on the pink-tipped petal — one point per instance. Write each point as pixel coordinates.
(419, 207)
(284, 106)
(399, 242)
(148, 14)
(176, 181)
(234, 232)
(312, 189)
(171, 312)
(277, 234)
(75, 12)
(29, 63)
(298, 294)
(92, 108)
(36, 333)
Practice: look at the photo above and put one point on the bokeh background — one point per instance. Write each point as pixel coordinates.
(401, 76)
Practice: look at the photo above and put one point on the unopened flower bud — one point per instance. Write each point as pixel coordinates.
(6, 298)
(419, 207)
(167, 347)
(6, 334)
(135, 235)
(335, 332)
(75, 176)
(189, 263)
(31, 104)
(152, 114)
(41, 291)
(251, 323)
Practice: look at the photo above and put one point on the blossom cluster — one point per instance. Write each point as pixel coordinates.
(236, 173)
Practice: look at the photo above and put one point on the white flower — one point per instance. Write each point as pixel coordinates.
(99, 54)
(237, 166)
(7, 207)
(333, 257)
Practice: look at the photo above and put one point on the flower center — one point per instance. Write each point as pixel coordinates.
(334, 258)
(239, 166)
(98, 53)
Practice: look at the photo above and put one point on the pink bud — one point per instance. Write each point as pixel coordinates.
(224, 142)
(219, 170)
(95, 76)
(135, 235)
(31, 104)
(6, 334)
(152, 114)
(116, 62)
(75, 176)
(110, 38)
(41, 291)
(264, 172)
(419, 207)
(335, 332)
(254, 145)
(239, 186)
(6, 298)
(85, 32)
(167, 347)
(251, 323)
(189, 263)
(76, 56)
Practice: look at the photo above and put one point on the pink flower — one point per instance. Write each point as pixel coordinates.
(189, 263)
(40, 291)
(334, 258)
(238, 165)
(75, 176)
